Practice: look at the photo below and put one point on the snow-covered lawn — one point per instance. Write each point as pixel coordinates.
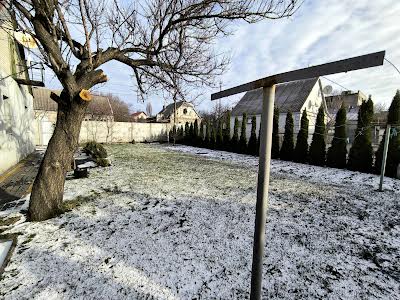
(177, 223)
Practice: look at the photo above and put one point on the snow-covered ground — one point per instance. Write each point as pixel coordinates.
(177, 223)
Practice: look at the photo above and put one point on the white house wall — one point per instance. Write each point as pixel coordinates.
(16, 123)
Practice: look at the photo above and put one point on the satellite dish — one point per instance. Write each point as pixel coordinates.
(25, 40)
(327, 90)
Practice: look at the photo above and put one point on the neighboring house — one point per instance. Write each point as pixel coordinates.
(45, 108)
(138, 116)
(16, 108)
(294, 96)
(352, 101)
(185, 112)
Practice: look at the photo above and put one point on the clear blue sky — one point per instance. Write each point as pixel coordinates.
(321, 31)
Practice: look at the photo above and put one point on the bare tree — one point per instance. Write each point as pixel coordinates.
(149, 109)
(120, 109)
(160, 40)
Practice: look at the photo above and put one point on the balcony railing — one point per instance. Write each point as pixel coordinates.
(31, 73)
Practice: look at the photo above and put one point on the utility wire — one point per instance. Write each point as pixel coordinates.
(398, 71)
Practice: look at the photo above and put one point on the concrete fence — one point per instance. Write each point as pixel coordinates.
(122, 132)
(107, 131)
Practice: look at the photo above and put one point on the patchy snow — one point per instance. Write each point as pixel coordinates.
(88, 164)
(162, 224)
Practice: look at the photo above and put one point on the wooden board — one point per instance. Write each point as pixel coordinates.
(345, 65)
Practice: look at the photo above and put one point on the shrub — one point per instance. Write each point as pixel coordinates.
(301, 150)
(227, 131)
(95, 149)
(201, 134)
(288, 143)
(243, 139)
(275, 134)
(360, 156)
(196, 133)
(103, 162)
(235, 138)
(318, 147)
(252, 146)
(219, 138)
(393, 156)
(337, 152)
(208, 134)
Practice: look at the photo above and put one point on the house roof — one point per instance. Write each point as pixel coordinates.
(169, 109)
(138, 113)
(42, 101)
(289, 96)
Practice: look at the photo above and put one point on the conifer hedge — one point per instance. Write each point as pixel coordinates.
(288, 143)
(337, 152)
(360, 156)
(393, 155)
(301, 150)
(318, 147)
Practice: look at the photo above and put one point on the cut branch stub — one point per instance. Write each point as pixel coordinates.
(85, 95)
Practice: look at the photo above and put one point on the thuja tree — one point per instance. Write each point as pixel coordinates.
(337, 152)
(191, 134)
(252, 146)
(207, 139)
(219, 139)
(301, 149)
(235, 137)
(288, 143)
(242, 147)
(168, 45)
(201, 134)
(360, 156)
(213, 137)
(275, 134)
(393, 155)
(227, 131)
(186, 134)
(317, 151)
(196, 133)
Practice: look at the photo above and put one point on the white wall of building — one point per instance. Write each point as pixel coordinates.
(16, 122)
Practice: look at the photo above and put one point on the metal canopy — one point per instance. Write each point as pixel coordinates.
(268, 85)
(345, 65)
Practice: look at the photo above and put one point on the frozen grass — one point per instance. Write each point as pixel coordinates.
(162, 224)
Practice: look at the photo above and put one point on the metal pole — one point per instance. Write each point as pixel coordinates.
(262, 190)
(384, 156)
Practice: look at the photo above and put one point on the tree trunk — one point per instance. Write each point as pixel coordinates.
(48, 187)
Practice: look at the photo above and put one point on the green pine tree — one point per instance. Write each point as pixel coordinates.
(317, 151)
(227, 131)
(360, 156)
(301, 149)
(337, 152)
(252, 146)
(275, 135)
(288, 143)
(243, 138)
(393, 155)
(235, 138)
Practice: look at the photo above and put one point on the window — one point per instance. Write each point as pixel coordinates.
(185, 111)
